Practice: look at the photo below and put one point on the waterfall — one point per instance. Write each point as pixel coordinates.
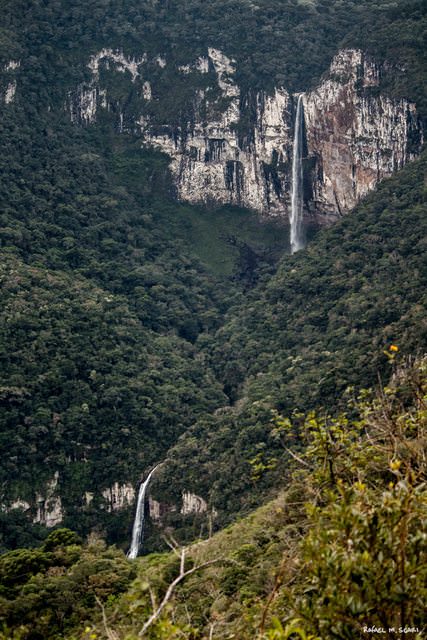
(297, 236)
(138, 524)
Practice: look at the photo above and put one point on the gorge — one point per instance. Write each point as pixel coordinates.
(212, 253)
(152, 180)
(304, 158)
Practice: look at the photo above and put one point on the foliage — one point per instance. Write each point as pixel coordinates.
(85, 386)
(46, 591)
(135, 329)
(335, 552)
(317, 326)
(117, 335)
(275, 42)
(103, 297)
(364, 555)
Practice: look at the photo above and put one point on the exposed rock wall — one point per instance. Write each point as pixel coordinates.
(237, 148)
(158, 510)
(119, 496)
(191, 503)
(46, 508)
(90, 96)
(10, 82)
(215, 161)
(49, 504)
(355, 137)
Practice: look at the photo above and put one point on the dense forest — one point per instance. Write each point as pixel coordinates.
(136, 329)
(339, 550)
(320, 324)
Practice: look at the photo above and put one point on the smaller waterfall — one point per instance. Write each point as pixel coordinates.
(297, 235)
(138, 524)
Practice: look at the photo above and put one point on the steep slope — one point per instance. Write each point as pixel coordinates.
(327, 556)
(318, 326)
(103, 296)
(91, 396)
(229, 139)
(349, 559)
(352, 137)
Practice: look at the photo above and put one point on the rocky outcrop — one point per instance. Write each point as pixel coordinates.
(10, 86)
(159, 510)
(119, 496)
(46, 508)
(237, 148)
(191, 503)
(355, 137)
(90, 96)
(23, 505)
(216, 160)
(49, 505)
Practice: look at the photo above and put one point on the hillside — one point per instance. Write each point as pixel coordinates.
(317, 327)
(340, 550)
(138, 328)
(213, 257)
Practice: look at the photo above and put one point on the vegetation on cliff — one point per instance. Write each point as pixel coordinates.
(135, 329)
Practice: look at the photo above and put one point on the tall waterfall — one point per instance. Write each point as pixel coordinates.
(138, 524)
(297, 235)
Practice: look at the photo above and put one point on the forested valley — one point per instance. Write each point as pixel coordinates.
(285, 392)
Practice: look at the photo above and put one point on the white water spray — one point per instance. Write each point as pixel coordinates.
(297, 235)
(138, 524)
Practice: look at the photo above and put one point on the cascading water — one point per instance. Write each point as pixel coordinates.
(297, 235)
(138, 524)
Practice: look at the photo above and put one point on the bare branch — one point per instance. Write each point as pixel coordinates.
(297, 458)
(152, 598)
(173, 545)
(111, 635)
(169, 592)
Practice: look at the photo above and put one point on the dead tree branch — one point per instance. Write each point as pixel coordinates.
(171, 588)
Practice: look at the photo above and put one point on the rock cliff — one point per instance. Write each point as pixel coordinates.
(9, 81)
(234, 147)
(45, 508)
(355, 136)
(119, 496)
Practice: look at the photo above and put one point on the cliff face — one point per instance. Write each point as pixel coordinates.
(355, 137)
(46, 508)
(8, 83)
(237, 148)
(214, 161)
